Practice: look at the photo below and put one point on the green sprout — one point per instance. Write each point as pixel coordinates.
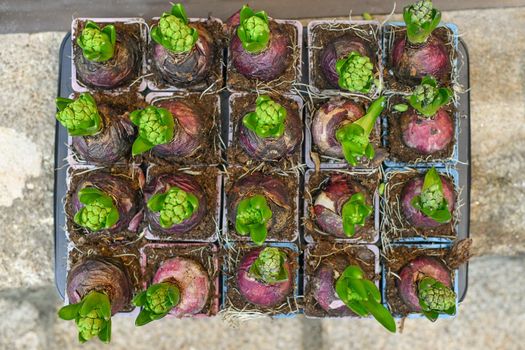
(355, 211)
(98, 45)
(175, 205)
(431, 201)
(355, 73)
(401, 107)
(355, 137)
(173, 31)
(421, 19)
(253, 30)
(92, 316)
(435, 298)
(156, 127)
(99, 211)
(156, 302)
(253, 213)
(80, 117)
(268, 118)
(363, 297)
(269, 266)
(427, 98)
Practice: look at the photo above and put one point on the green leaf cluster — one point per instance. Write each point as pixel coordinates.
(98, 45)
(363, 297)
(355, 137)
(156, 127)
(435, 298)
(99, 210)
(421, 19)
(356, 73)
(269, 266)
(431, 201)
(253, 213)
(253, 30)
(268, 118)
(156, 302)
(355, 211)
(80, 117)
(175, 206)
(427, 98)
(173, 31)
(92, 316)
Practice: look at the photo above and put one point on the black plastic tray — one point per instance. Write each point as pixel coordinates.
(61, 166)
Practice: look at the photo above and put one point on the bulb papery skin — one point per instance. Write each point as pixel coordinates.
(101, 274)
(184, 69)
(189, 184)
(188, 133)
(413, 272)
(125, 197)
(266, 65)
(412, 62)
(427, 135)
(339, 49)
(328, 204)
(413, 188)
(120, 70)
(330, 117)
(192, 280)
(112, 144)
(258, 292)
(273, 148)
(275, 193)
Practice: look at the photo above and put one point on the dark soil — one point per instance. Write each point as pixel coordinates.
(393, 261)
(81, 236)
(396, 147)
(209, 152)
(128, 31)
(215, 77)
(375, 136)
(390, 34)
(321, 252)
(235, 300)
(153, 254)
(207, 178)
(288, 235)
(324, 34)
(243, 105)
(238, 82)
(401, 227)
(128, 255)
(316, 183)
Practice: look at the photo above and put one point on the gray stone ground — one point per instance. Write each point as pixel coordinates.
(492, 317)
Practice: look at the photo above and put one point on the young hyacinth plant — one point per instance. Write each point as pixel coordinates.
(175, 205)
(155, 128)
(421, 19)
(363, 297)
(355, 211)
(355, 73)
(253, 30)
(99, 211)
(253, 214)
(156, 302)
(435, 298)
(80, 117)
(98, 45)
(92, 316)
(431, 201)
(355, 137)
(269, 266)
(427, 98)
(173, 31)
(268, 118)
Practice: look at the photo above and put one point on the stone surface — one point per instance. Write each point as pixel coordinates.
(491, 317)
